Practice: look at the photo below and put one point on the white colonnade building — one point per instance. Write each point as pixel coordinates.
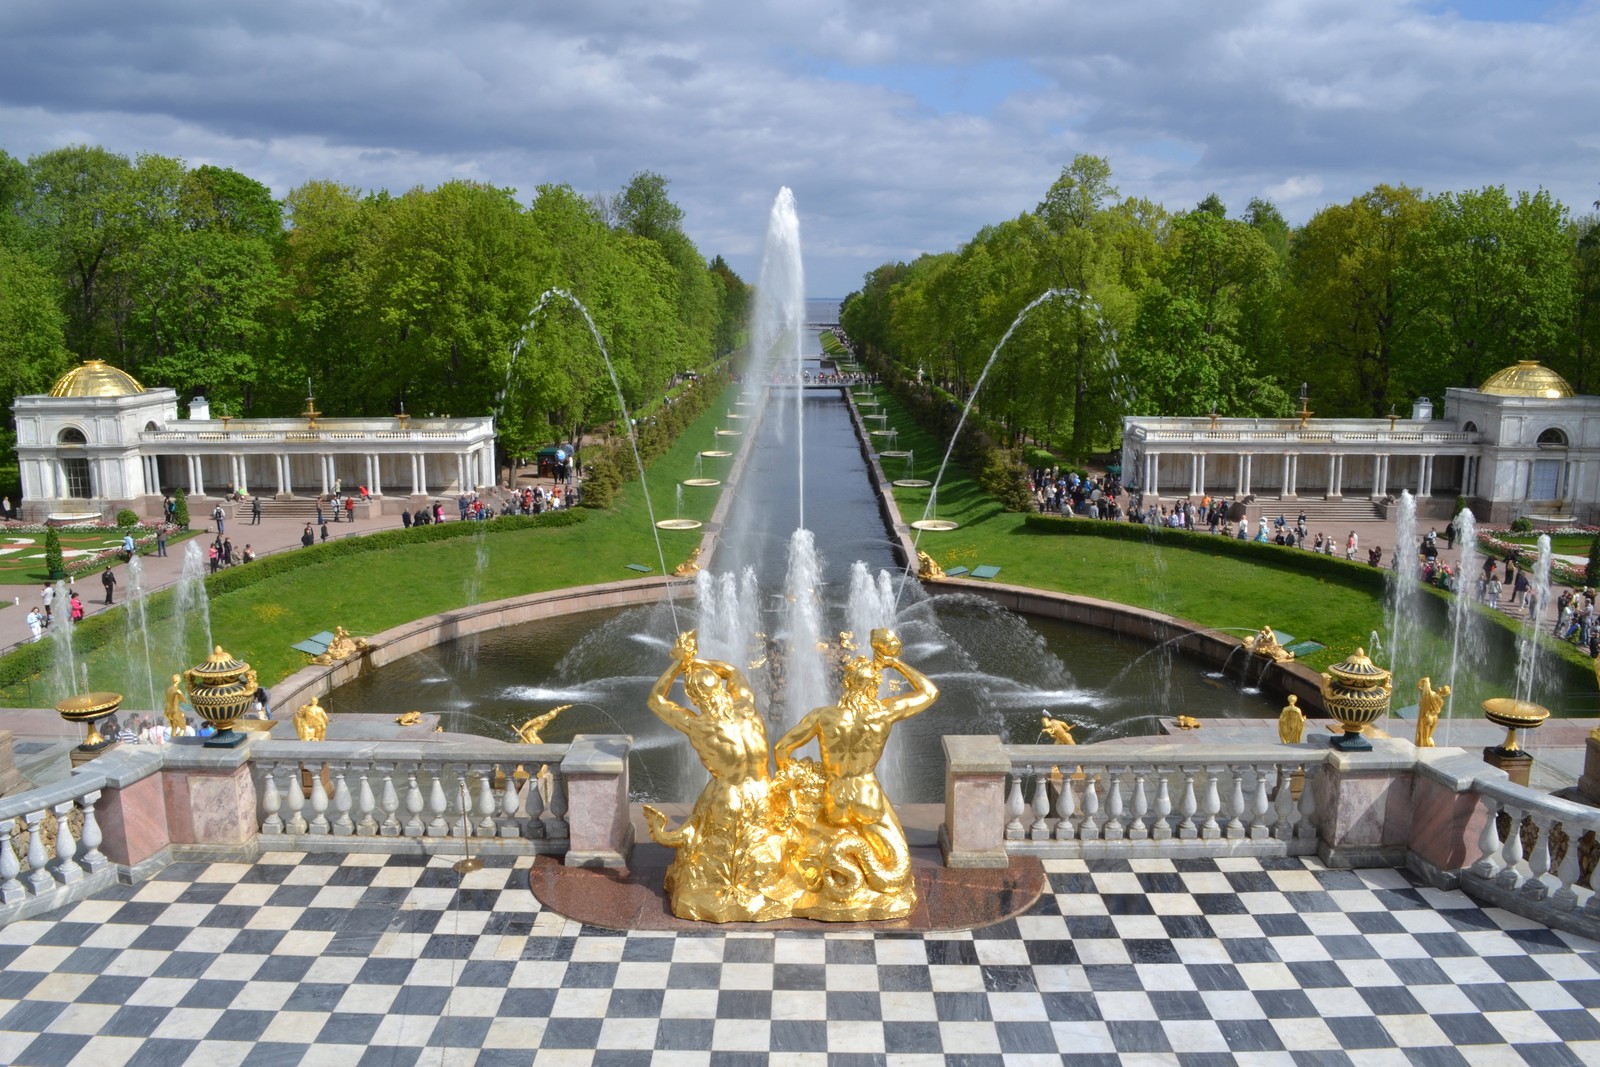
(100, 441)
(1521, 444)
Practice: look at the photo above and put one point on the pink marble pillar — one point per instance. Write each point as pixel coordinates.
(133, 821)
(974, 830)
(1447, 815)
(210, 807)
(600, 832)
(1364, 806)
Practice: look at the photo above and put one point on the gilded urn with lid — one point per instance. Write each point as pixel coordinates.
(220, 692)
(1356, 693)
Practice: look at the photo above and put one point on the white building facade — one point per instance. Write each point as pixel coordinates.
(100, 441)
(1521, 444)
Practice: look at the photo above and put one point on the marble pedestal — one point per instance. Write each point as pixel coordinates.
(1517, 765)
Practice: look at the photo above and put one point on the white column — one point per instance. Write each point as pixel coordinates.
(376, 488)
(1422, 468)
(1427, 476)
(281, 464)
(1293, 474)
(196, 486)
(1249, 471)
(1380, 484)
(461, 472)
(420, 479)
(1200, 481)
(491, 475)
(1244, 477)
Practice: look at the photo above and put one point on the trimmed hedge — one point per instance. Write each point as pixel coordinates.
(96, 631)
(1335, 568)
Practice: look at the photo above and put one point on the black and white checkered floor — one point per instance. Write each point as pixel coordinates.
(378, 960)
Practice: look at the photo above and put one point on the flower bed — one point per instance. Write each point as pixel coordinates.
(1492, 541)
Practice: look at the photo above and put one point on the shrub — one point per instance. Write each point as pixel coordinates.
(1036, 457)
(54, 562)
(603, 482)
(1004, 478)
(180, 511)
(1592, 574)
(1524, 525)
(1461, 505)
(127, 519)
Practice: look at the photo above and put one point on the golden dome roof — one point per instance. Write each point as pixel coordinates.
(1527, 378)
(96, 378)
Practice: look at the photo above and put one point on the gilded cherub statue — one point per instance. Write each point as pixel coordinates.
(689, 567)
(1292, 722)
(311, 722)
(410, 718)
(342, 647)
(529, 732)
(1187, 722)
(1265, 644)
(927, 568)
(174, 706)
(1428, 708)
(1060, 730)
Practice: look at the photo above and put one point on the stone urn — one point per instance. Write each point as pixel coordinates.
(1514, 715)
(89, 709)
(220, 694)
(1356, 693)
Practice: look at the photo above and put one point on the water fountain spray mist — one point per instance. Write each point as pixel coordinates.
(777, 319)
(141, 683)
(1466, 634)
(1531, 666)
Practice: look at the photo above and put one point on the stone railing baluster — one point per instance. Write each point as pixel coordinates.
(1211, 805)
(1260, 809)
(1014, 807)
(1535, 888)
(64, 867)
(510, 801)
(1039, 830)
(1187, 830)
(12, 891)
(437, 805)
(389, 801)
(1568, 871)
(1305, 828)
(1285, 812)
(414, 804)
(89, 856)
(1489, 842)
(366, 804)
(1115, 829)
(1161, 826)
(486, 802)
(343, 825)
(1511, 850)
(38, 876)
(1139, 828)
(296, 822)
(1236, 811)
(533, 798)
(1089, 829)
(271, 799)
(557, 827)
(1066, 807)
(319, 802)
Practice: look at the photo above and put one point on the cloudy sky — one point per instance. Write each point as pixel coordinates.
(901, 126)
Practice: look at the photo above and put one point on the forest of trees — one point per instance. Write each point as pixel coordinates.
(199, 279)
(1395, 295)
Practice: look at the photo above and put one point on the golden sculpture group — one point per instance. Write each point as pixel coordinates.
(817, 839)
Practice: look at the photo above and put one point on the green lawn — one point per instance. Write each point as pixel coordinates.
(1561, 545)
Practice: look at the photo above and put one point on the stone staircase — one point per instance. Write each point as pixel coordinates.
(299, 508)
(1317, 509)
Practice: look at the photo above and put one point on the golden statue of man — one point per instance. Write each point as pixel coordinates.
(529, 733)
(1428, 708)
(860, 868)
(729, 865)
(1060, 730)
(311, 722)
(174, 706)
(1292, 722)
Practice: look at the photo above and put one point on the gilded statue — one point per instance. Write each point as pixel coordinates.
(1265, 644)
(410, 718)
(311, 722)
(1292, 722)
(729, 865)
(855, 859)
(1187, 722)
(927, 568)
(342, 647)
(689, 567)
(1060, 730)
(1428, 708)
(174, 706)
(529, 732)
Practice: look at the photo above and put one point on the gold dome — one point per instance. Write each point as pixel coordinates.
(96, 378)
(1527, 378)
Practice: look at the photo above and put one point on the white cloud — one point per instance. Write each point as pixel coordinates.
(1304, 103)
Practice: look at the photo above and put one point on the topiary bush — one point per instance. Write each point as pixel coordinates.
(180, 510)
(127, 518)
(54, 562)
(1524, 525)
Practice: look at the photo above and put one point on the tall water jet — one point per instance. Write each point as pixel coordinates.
(805, 669)
(777, 320)
(1403, 598)
(1466, 634)
(1531, 665)
(871, 604)
(63, 654)
(140, 682)
(191, 608)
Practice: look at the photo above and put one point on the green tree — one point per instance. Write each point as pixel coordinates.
(645, 210)
(180, 510)
(31, 351)
(1496, 283)
(55, 563)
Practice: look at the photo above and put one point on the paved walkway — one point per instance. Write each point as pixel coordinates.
(391, 960)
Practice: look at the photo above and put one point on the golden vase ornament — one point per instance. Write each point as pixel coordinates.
(90, 709)
(1356, 693)
(220, 694)
(1514, 715)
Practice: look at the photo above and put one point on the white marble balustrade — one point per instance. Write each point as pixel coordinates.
(1537, 856)
(1197, 801)
(320, 799)
(50, 847)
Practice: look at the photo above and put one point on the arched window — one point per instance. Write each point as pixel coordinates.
(151, 427)
(1554, 437)
(71, 436)
(1469, 427)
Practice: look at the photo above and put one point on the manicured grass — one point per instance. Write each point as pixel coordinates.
(374, 591)
(1561, 545)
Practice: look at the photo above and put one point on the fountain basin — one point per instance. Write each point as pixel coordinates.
(894, 453)
(716, 453)
(935, 525)
(702, 483)
(911, 483)
(678, 524)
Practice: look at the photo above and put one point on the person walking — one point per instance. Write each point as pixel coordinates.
(216, 515)
(255, 511)
(161, 539)
(108, 580)
(35, 624)
(75, 609)
(308, 538)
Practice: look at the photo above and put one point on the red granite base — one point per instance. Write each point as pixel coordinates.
(632, 898)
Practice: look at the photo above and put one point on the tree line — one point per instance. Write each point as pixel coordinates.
(200, 279)
(1394, 295)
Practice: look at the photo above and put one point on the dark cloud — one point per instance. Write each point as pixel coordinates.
(847, 104)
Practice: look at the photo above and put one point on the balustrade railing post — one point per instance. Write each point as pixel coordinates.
(343, 825)
(389, 801)
(1039, 830)
(437, 805)
(1014, 807)
(38, 876)
(1066, 807)
(486, 801)
(90, 857)
(319, 802)
(366, 804)
(296, 822)
(1188, 806)
(12, 891)
(1161, 827)
(64, 867)
(271, 799)
(414, 804)
(1489, 841)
